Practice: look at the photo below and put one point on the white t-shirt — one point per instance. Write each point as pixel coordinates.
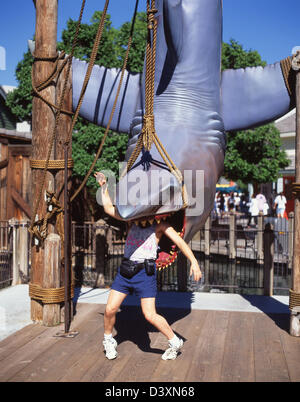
(141, 243)
(254, 210)
(280, 201)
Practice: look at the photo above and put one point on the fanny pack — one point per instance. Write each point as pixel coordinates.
(130, 268)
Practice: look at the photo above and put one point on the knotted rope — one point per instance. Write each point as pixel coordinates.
(294, 300)
(46, 164)
(40, 227)
(148, 134)
(34, 225)
(289, 78)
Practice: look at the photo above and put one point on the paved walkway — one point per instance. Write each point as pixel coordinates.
(15, 304)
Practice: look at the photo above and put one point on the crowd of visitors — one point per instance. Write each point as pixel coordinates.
(250, 206)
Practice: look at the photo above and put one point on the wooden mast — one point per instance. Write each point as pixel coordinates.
(295, 293)
(43, 122)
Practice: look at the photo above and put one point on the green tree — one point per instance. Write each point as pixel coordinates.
(252, 156)
(235, 56)
(20, 100)
(255, 156)
(87, 136)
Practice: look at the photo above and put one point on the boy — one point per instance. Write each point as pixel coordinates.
(140, 254)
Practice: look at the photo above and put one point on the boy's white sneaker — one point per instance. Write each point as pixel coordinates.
(110, 347)
(172, 351)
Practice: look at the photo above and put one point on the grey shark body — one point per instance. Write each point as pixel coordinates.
(194, 105)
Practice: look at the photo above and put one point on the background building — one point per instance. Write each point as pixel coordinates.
(287, 127)
(15, 173)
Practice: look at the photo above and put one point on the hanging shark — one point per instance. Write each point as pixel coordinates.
(195, 103)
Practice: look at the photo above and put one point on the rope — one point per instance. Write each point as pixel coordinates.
(289, 77)
(50, 295)
(113, 108)
(148, 134)
(296, 190)
(89, 70)
(57, 164)
(40, 227)
(49, 81)
(32, 228)
(76, 114)
(294, 299)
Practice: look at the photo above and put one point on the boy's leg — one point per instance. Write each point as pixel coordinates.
(149, 311)
(175, 343)
(114, 302)
(115, 299)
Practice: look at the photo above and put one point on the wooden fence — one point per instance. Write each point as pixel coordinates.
(233, 256)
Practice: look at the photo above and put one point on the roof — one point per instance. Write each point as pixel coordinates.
(5, 89)
(287, 123)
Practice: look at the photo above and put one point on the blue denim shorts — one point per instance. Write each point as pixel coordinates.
(140, 284)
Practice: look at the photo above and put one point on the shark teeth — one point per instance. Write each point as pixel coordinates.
(151, 220)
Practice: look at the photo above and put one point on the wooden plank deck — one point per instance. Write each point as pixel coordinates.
(220, 346)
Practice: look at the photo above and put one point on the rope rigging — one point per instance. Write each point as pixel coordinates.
(148, 136)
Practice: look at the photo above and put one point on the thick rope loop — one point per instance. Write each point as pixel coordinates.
(58, 164)
(296, 190)
(49, 295)
(294, 299)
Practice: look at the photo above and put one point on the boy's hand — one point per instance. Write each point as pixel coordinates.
(100, 178)
(196, 271)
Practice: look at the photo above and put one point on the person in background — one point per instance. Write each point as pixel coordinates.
(253, 210)
(280, 205)
(231, 205)
(243, 204)
(266, 209)
(226, 196)
(237, 201)
(222, 205)
(261, 201)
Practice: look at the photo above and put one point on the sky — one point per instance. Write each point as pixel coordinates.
(269, 26)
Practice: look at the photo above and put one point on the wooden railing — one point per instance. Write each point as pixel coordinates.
(233, 256)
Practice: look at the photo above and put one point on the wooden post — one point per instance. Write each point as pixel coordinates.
(182, 272)
(291, 239)
(14, 224)
(43, 122)
(232, 237)
(260, 231)
(23, 251)
(207, 236)
(51, 278)
(63, 129)
(296, 252)
(260, 248)
(268, 259)
(3, 178)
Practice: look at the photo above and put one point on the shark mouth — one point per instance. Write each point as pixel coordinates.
(168, 251)
(153, 194)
